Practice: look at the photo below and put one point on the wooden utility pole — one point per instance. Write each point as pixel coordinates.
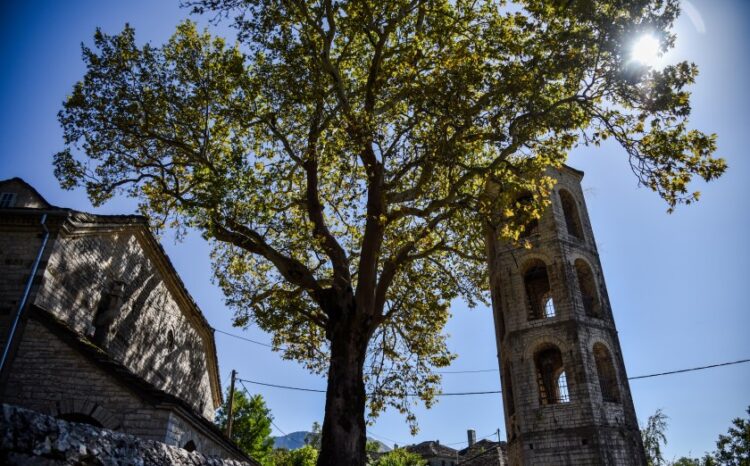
(230, 413)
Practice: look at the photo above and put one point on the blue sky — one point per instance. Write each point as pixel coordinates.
(678, 283)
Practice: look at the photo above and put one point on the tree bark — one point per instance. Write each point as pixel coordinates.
(344, 433)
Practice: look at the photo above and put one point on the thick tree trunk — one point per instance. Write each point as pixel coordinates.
(344, 431)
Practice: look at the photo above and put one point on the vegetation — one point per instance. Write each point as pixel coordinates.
(347, 158)
(733, 449)
(251, 425)
(654, 436)
(305, 456)
(400, 457)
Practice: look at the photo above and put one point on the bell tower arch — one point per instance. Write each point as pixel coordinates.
(565, 390)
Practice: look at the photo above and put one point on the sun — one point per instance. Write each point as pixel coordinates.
(646, 50)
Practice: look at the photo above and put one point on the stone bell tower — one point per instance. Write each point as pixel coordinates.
(565, 391)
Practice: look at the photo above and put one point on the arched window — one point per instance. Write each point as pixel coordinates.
(107, 311)
(189, 446)
(570, 211)
(587, 285)
(532, 226)
(170, 340)
(538, 293)
(80, 418)
(551, 377)
(605, 369)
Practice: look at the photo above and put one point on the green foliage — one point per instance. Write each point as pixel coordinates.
(733, 449)
(305, 456)
(400, 457)
(251, 426)
(346, 159)
(314, 436)
(654, 436)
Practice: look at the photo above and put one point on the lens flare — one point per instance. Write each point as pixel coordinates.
(646, 50)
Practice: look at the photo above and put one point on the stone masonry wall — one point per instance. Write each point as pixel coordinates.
(150, 334)
(57, 380)
(27, 437)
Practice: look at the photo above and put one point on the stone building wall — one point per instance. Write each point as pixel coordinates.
(19, 245)
(27, 437)
(58, 380)
(150, 334)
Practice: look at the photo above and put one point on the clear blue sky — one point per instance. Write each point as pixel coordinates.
(678, 283)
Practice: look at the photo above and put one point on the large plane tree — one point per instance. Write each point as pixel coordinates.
(338, 158)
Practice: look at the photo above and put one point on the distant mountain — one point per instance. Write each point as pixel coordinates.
(297, 440)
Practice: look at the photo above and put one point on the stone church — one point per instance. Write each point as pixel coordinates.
(107, 333)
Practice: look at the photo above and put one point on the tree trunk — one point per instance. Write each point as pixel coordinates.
(344, 432)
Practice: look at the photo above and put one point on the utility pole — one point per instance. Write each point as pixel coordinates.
(230, 413)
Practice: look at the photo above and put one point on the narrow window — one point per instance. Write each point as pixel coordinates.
(549, 306)
(551, 377)
(587, 287)
(107, 311)
(536, 284)
(605, 370)
(7, 200)
(570, 211)
(562, 388)
(170, 340)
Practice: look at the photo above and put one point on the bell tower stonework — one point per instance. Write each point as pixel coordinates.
(565, 391)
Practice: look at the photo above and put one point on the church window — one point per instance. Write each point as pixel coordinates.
(7, 200)
(549, 306)
(606, 373)
(551, 376)
(587, 287)
(536, 284)
(170, 340)
(189, 446)
(570, 212)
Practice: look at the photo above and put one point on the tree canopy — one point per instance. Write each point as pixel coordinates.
(251, 425)
(338, 157)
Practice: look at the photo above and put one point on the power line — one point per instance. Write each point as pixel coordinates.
(494, 392)
(270, 419)
(243, 338)
(680, 371)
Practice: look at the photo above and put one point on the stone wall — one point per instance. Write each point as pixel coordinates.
(51, 377)
(150, 333)
(27, 437)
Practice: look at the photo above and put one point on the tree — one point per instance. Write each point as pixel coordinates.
(654, 435)
(251, 425)
(305, 456)
(313, 437)
(347, 158)
(733, 449)
(400, 457)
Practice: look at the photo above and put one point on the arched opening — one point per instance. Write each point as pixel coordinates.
(532, 226)
(587, 286)
(570, 211)
(605, 369)
(189, 446)
(539, 300)
(80, 418)
(107, 311)
(551, 376)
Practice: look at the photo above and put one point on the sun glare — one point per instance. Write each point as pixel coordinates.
(646, 50)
